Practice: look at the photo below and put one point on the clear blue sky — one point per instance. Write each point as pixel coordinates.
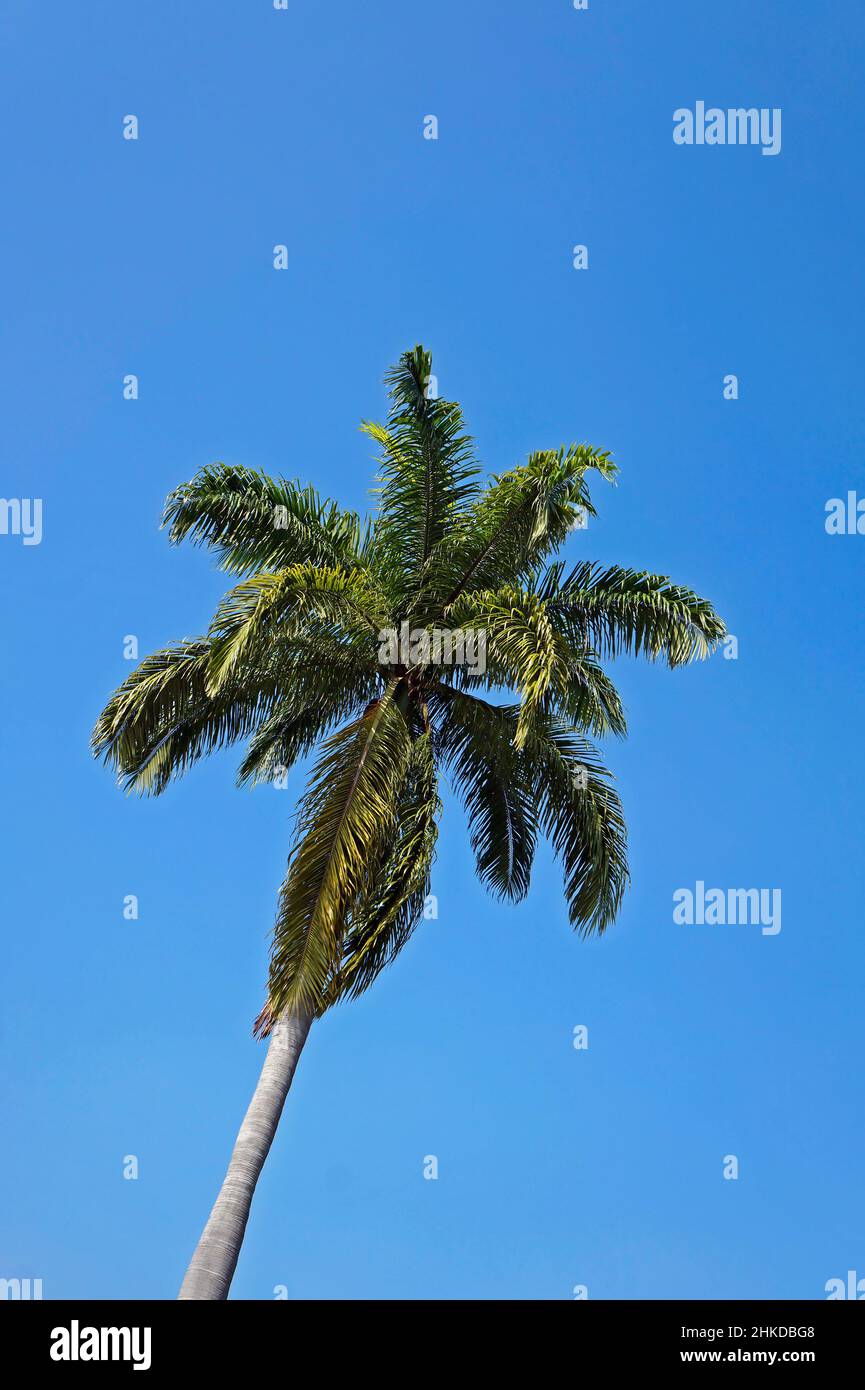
(557, 1167)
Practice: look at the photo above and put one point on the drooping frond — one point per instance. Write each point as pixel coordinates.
(618, 610)
(256, 522)
(581, 815)
(163, 717)
(526, 651)
(381, 921)
(329, 683)
(347, 814)
(555, 784)
(475, 741)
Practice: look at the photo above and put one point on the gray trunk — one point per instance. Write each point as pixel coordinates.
(212, 1266)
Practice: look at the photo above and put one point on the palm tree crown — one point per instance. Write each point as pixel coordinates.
(333, 639)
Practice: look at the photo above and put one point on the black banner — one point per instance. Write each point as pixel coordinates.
(81, 1339)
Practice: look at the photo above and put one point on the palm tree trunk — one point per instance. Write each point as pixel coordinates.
(212, 1266)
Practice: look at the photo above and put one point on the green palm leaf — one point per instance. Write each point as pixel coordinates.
(582, 816)
(292, 603)
(347, 815)
(255, 522)
(521, 518)
(476, 742)
(380, 923)
(427, 473)
(164, 715)
(621, 610)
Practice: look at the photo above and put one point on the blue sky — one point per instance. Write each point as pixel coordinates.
(557, 1167)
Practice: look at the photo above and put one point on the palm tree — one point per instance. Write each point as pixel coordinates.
(342, 636)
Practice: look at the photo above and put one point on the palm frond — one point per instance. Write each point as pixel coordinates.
(618, 611)
(527, 652)
(164, 716)
(476, 743)
(380, 923)
(254, 522)
(520, 519)
(346, 815)
(581, 815)
(293, 602)
(329, 684)
(428, 473)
